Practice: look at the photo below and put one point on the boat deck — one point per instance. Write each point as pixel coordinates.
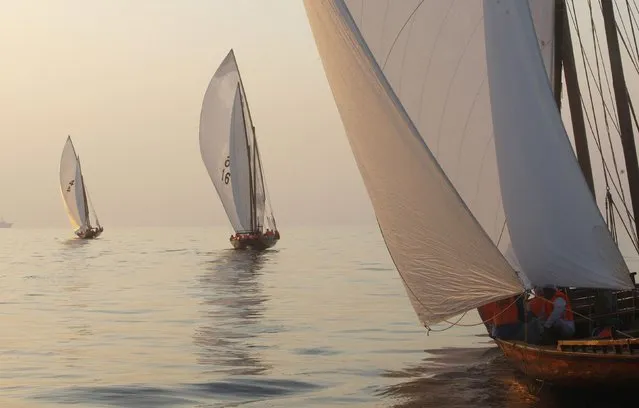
(586, 360)
(628, 346)
(585, 365)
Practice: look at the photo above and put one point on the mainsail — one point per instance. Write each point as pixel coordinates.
(417, 70)
(240, 165)
(72, 187)
(556, 229)
(448, 263)
(229, 149)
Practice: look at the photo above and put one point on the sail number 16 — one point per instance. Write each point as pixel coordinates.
(226, 174)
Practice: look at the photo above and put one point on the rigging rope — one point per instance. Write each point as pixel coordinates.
(456, 323)
(587, 66)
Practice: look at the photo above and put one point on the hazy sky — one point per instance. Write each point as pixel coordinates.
(126, 79)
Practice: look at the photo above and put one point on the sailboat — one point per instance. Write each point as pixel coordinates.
(75, 195)
(451, 111)
(5, 224)
(230, 153)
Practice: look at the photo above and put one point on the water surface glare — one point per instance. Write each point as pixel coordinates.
(161, 317)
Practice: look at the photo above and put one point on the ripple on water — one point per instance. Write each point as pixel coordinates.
(172, 318)
(234, 390)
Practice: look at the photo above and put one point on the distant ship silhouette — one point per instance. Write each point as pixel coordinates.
(4, 224)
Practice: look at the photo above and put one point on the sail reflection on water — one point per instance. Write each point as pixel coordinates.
(232, 305)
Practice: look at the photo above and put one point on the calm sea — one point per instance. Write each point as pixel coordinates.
(173, 318)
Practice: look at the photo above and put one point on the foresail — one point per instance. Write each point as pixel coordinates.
(261, 215)
(91, 207)
(240, 163)
(71, 186)
(557, 231)
(264, 208)
(432, 53)
(215, 135)
(447, 262)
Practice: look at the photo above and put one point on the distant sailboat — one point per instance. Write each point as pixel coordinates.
(231, 156)
(75, 195)
(4, 224)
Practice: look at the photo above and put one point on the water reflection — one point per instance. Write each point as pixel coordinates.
(76, 289)
(469, 377)
(460, 377)
(74, 242)
(232, 306)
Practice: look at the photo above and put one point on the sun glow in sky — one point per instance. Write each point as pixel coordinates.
(126, 79)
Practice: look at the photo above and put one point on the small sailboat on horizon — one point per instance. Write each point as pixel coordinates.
(5, 224)
(230, 153)
(75, 195)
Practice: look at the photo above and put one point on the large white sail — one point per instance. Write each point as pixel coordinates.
(240, 159)
(447, 262)
(219, 124)
(432, 54)
(557, 231)
(72, 187)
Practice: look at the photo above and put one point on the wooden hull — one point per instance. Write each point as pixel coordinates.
(600, 366)
(90, 234)
(259, 244)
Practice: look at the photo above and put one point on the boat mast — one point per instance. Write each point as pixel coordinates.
(557, 57)
(564, 55)
(244, 101)
(623, 108)
(254, 175)
(248, 156)
(258, 167)
(84, 194)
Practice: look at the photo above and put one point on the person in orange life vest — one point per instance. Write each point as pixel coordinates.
(559, 322)
(537, 304)
(507, 318)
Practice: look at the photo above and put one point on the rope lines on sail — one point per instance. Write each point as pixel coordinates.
(633, 21)
(608, 116)
(631, 55)
(402, 35)
(609, 199)
(401, 30)
(598, 86)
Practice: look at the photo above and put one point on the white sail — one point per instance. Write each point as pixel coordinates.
(72, 187)
(543, 15)
(432, 54)
(447, 262)
(91, 208)
(260, 191)
(557, 231)
(240, 164)
(219, 124)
